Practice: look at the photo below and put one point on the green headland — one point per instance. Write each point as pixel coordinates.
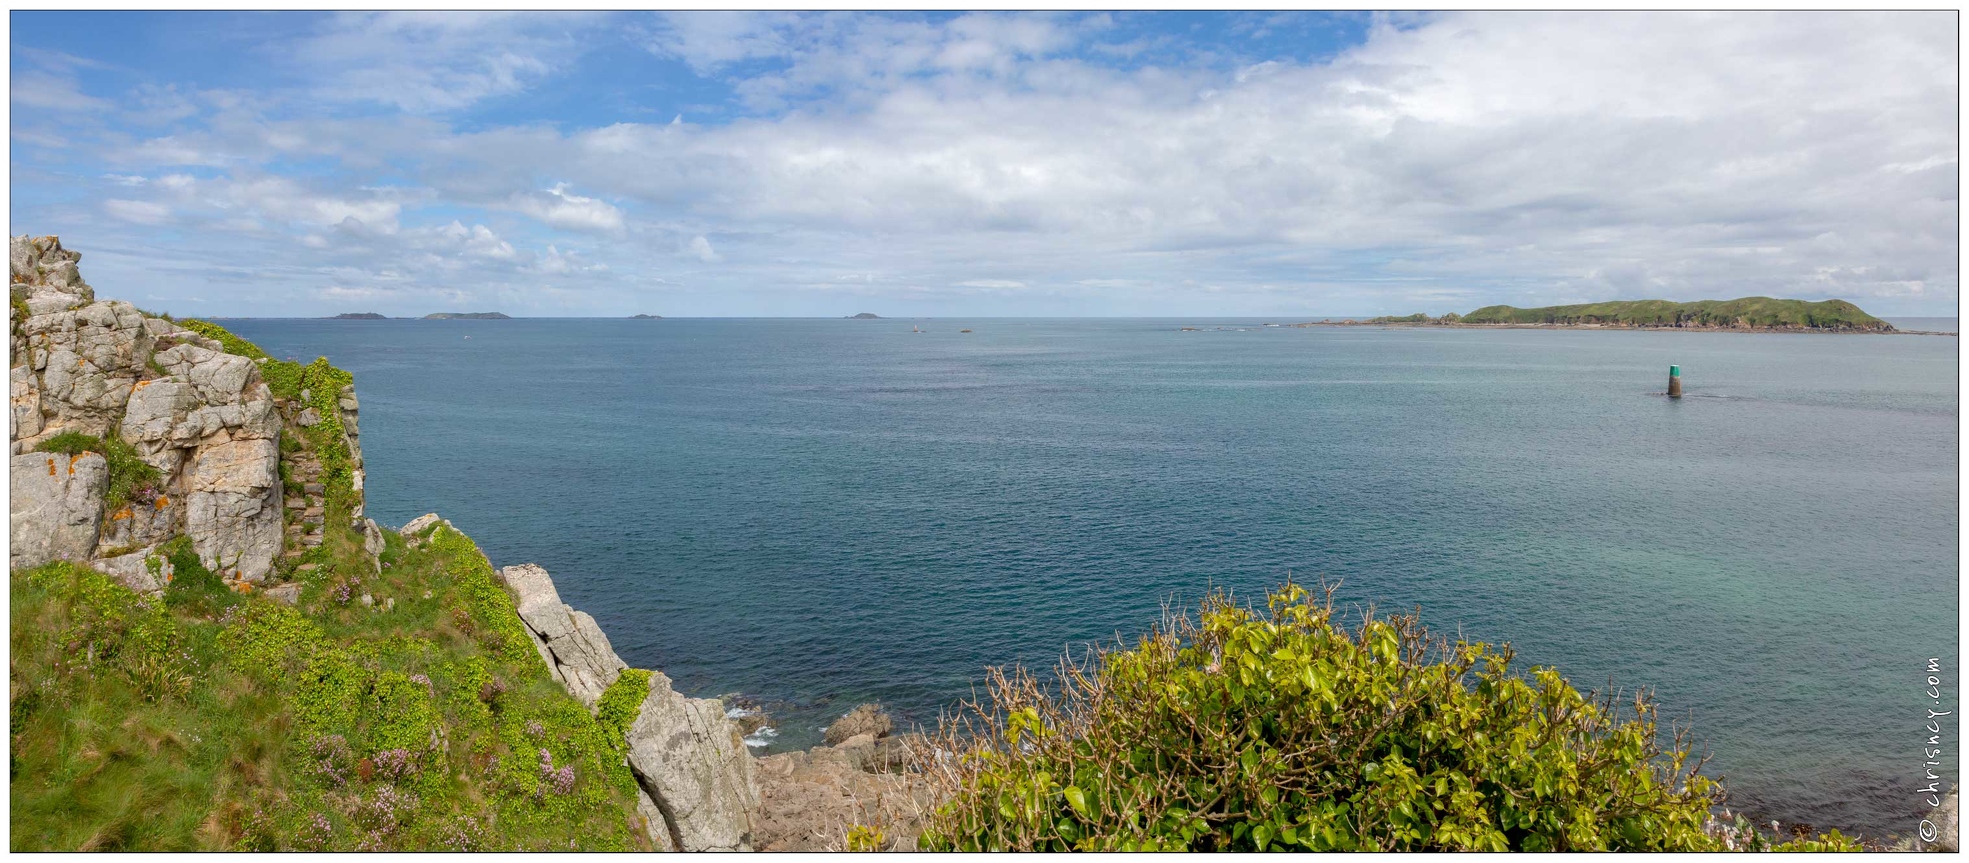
(1747, 314)
(1744, 313)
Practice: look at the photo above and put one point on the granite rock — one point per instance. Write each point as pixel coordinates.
(691, 761)
(576, 651)
(866, 719)
(57, 506)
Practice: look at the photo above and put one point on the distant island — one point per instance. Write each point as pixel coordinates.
(1748, 314)
(864, 316)
(467, 316)
(645, 317)
(359, 316)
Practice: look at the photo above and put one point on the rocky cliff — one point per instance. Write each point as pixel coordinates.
(688, 757)
(138, 441)
(160, 432)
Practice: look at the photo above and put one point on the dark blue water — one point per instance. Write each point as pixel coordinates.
(821, 512)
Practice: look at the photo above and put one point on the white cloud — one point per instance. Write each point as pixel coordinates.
(561, 209)
(52, 93)
(1453, 161)
(424, 62)
(141, 212)
(701, 247)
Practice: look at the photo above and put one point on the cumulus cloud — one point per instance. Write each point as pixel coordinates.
(1446, 162)
(562, 209)
(701, 247)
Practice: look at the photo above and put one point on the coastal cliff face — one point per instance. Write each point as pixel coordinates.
(688, 757)
(137, 440)
(201, 418)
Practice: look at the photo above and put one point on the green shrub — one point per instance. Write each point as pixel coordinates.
(193, 589)
(621, 703)
(231, 344)
(1283, 730)
(130, 477)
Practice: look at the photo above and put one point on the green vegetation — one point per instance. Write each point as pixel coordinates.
(1417, 318)
(1745, 312)
(323, 385)
(233, 344)
(213, 720)
(130, 477)
(1284, 731)
(17, 304)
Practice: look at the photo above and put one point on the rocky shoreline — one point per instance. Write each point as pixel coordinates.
(698, 778)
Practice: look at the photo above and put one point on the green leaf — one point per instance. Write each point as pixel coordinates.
(1077, 799)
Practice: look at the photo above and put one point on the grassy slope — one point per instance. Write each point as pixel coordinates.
(1753, 311)
(215, 720)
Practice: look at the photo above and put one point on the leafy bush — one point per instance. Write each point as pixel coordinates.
(130, 477)
(621, 703)
(230, 343)
(1243, 730)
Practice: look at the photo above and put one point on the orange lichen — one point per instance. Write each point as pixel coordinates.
(121, 514)
(51, 466)
(140, 385)
(163, 501)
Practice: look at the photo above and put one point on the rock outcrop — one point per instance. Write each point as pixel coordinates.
(691, 760)
(576, 651)
(202, 417)
(867, 719)
(414, 533)
(1945, 822)
(687, 755)
(807, 800)
(57, 506)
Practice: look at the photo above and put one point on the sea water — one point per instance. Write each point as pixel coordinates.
(817, 513)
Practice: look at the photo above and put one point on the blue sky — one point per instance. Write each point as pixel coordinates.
(730, 163)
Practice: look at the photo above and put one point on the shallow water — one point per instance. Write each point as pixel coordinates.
(821, 512)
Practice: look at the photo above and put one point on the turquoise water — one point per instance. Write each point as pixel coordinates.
(820, 512)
